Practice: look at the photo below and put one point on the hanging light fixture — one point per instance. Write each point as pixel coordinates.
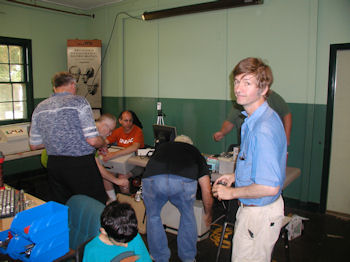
(197, 8)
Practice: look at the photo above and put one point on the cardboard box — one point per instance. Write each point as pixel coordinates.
(171, 219)
(139, 208)
(120, 164)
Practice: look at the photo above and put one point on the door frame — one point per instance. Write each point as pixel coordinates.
(329, 121)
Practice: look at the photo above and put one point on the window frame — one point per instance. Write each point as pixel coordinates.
(26, 44)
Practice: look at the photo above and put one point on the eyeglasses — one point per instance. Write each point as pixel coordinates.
(110, 130)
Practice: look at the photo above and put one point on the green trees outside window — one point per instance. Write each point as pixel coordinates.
(16, 92)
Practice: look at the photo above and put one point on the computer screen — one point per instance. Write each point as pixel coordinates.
(163, 133)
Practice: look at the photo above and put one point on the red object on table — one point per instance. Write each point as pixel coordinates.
(2, 159)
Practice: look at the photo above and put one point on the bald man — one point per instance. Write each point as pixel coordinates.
(130, 137)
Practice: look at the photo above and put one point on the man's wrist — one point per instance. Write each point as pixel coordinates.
(114, 154)
(233, 193)
(208, 213)
(102, 142)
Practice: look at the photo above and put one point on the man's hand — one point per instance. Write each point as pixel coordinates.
(96, 141)
(222, 189)
(223, 192)
(108, 156)
(218, 136)
(123, 182)
(225, 129)
(103, 151)
(227, 179)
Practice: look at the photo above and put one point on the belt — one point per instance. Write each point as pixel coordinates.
(245, 205)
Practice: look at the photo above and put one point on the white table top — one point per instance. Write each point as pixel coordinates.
(23, 155)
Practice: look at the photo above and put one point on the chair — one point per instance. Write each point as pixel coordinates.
(136, 120)
(127, 256)
(79, 252)
(83, 219)
(84, 223)
(230, 207)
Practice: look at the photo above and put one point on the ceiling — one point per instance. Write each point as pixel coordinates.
(82, 4)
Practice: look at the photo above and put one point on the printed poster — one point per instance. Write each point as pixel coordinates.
(84, 63)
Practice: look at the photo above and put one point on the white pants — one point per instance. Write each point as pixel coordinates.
(256, 232)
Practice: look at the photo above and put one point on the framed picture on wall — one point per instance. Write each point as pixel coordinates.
(84, 63)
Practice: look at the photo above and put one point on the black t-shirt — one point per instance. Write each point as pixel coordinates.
(177, 158)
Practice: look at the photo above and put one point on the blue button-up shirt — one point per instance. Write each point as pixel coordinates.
(263, 152)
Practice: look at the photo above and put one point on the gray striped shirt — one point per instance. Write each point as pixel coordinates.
(62, 123)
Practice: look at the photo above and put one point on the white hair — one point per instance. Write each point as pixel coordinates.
(183, 139)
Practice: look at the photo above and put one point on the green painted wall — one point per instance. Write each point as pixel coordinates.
(192, 56)
(21, 165)
(49, 32)
(185, 62)
(200, 118)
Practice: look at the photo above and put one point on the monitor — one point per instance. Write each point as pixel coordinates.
(163, 133)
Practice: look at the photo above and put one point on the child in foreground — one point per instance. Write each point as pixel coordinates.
(119, 234)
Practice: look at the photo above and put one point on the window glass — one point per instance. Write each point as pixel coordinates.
(17, 73)
(4, 54)
(16, 93)
(4, 73)
(6, 111)
(5, 93)
(19, 92)
(20, 110)
(16, 54)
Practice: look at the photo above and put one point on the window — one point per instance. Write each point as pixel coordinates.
(16, 84)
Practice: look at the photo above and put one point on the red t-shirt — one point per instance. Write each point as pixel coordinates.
(126, 140)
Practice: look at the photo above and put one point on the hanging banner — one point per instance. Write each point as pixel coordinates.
(84, 62)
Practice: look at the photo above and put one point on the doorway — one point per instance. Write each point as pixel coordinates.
(335, 190)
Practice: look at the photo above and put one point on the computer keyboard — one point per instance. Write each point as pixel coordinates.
(11, 202)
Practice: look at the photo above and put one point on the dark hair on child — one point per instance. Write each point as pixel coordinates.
(119, 221)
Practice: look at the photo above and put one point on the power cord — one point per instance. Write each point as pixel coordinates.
(215, 236)
(109, 41)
